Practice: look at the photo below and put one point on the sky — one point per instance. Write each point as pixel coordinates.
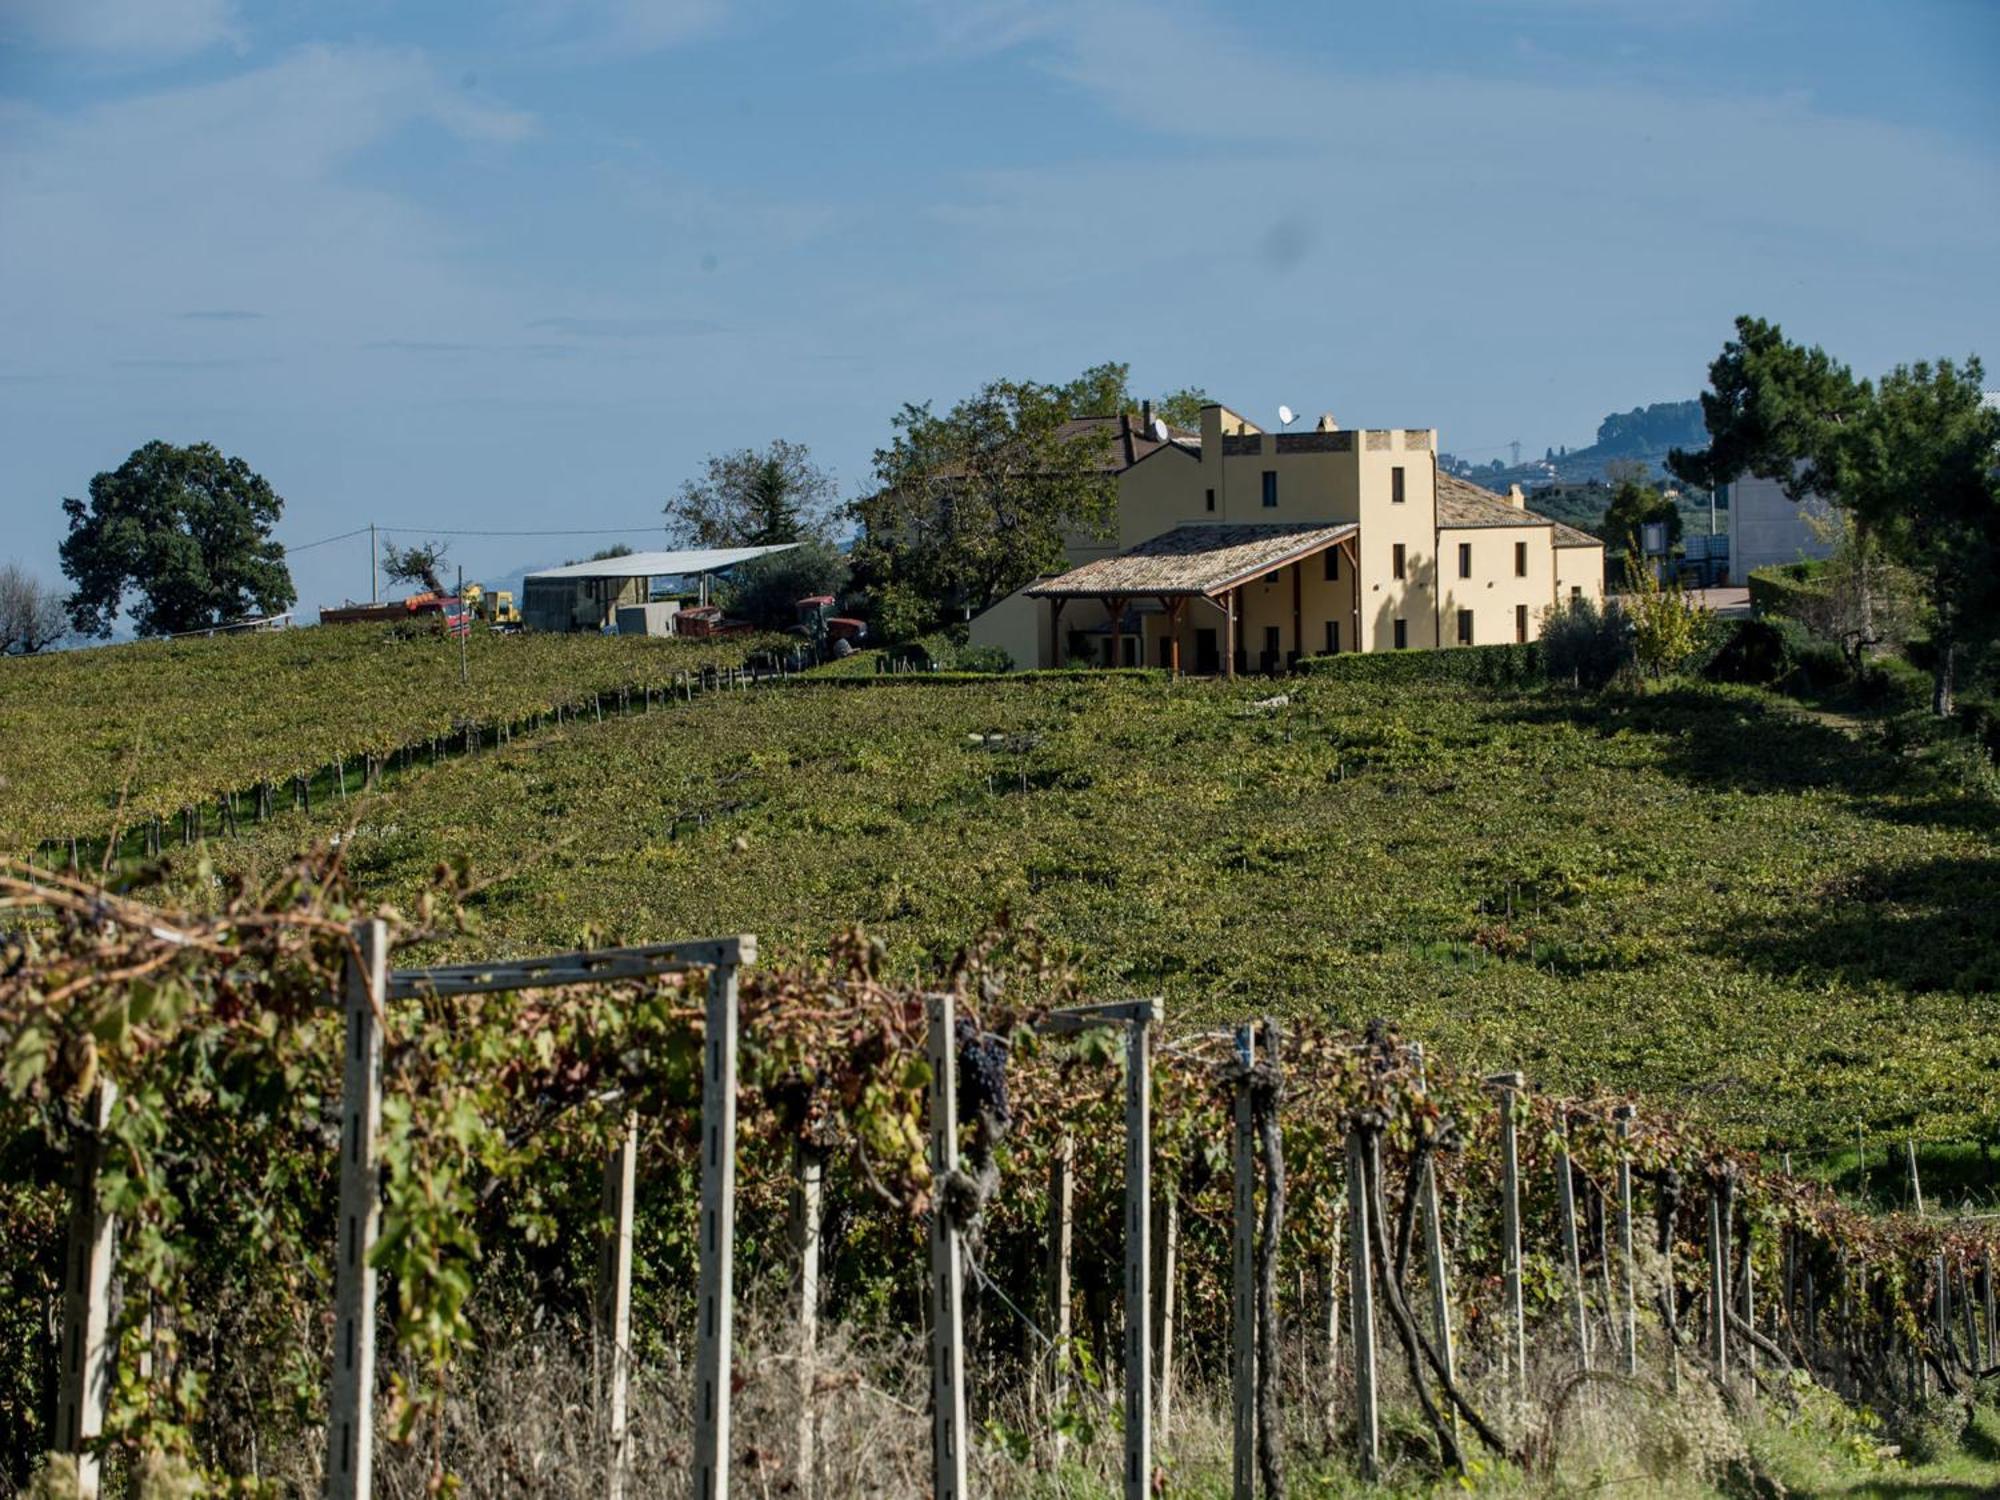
(520, 265)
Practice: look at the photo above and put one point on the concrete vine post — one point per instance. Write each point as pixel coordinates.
(615, 1298)
(1509, 1086)
(947, 1262)
(1062, 1189)
(86, 1350)
(1572, 1256)
(1166, 1257)
(1718, 1282)
(350, 1427)
(808, 1211)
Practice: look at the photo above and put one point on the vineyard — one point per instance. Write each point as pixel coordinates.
(103, 739)
(1695, 893)
(1214, 1261)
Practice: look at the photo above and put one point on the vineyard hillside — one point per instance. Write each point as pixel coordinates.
(1696, 893)
(96, 738)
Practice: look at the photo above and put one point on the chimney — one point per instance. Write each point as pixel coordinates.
(1146, 417)
(1326, 423)
(1515, 498)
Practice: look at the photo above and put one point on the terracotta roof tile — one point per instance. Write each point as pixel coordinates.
(1463, 504)
(1197, 559)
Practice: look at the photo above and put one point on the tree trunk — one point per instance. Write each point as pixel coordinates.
(1944, 684)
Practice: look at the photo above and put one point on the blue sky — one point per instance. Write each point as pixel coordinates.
(521, 264)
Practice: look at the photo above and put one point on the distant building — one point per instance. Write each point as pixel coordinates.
(588, 595)
(1767, 527)
(1244, 550)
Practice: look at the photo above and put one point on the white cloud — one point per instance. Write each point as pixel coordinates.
(139, 29)
(235, 195)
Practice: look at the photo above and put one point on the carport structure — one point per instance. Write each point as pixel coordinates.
(1208, 563)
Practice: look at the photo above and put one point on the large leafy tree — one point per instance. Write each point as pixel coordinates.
(755, 498)
(1912, 460)
(972, 503)
(188, 531)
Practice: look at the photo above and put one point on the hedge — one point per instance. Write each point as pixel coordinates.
(1484, 666)
(1783, 588)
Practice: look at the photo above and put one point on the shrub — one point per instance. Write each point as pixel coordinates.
(1784, 588)
(1929, 1429)
(1483, 666)
(1758, 652)
(1585, 645)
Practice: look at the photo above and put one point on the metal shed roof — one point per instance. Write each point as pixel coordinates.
(662, 564)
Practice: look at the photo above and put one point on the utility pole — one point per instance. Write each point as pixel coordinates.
(463, 628)
(372, 598)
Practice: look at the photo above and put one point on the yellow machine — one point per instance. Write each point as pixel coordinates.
(494, 606)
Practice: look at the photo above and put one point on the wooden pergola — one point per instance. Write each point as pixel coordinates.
(1201, 562)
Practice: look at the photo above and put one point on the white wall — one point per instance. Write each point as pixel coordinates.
(1766, 528)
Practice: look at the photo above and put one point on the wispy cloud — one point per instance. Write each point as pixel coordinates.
(606, 30)
(125, 29)
(629, 327)
(236, 200)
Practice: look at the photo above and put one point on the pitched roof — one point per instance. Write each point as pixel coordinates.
(1462, 504)
(1199, 559)
(1125, 440)
(661, 564)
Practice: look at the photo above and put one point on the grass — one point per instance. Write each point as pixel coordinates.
(1695, 894)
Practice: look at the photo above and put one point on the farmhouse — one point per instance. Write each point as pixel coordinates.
(1244, 550)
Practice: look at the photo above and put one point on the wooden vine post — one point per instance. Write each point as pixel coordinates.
(1166, 1258)
(1243, 1320)
(1361, 1305)
(86, 1350)
(1718, 1281)
(947, 1262)
(615, 1297)
(1510, 1086)
(350, 1428)
(1139, 1251)
(1440, 1274)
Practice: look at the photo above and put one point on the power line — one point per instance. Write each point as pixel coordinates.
(328, 540)
(568, 531)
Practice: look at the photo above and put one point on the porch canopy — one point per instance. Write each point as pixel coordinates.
(1193, 561)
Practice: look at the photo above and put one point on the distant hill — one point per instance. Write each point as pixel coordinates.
(1643, 435)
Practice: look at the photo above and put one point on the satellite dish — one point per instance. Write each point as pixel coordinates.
(1286, 416)
(1159, 430)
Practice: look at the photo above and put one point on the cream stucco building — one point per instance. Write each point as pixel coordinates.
(1244, 550)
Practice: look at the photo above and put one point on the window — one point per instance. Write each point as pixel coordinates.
(1520, 559)
(1333, 565)
(1402, 634)
(1211, 499)
(1520, 624)
(1575, 593)
(1272, 650)
(1270, 578)
(1333, 637)
(1396, 562)
(1465, 627)
(1270, 489)
(1465, 559)
(1396, 485)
